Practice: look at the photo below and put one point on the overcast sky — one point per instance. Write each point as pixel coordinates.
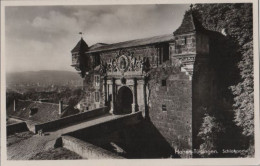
(41, 38)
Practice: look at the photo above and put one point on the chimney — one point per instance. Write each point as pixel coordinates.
(14, 105)
(60, 107)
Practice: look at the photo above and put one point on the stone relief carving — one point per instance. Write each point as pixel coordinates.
(189, 58)
(103, 68)
(123, 80)
(180, 61)
(125, 61)
(186, 64)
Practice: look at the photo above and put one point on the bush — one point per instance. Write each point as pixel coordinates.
(210, 133)
(237, 20)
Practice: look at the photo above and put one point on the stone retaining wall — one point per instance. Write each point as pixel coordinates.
(108, 126)
(87, 150)
(15, 128)
(70, 120)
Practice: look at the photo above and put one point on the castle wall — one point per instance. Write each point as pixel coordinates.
(177, 101)
(170, 107)
(185, 44)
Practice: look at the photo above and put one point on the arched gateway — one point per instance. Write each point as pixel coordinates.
(124, 100)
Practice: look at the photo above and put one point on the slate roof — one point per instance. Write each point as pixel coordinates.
(97, 45)
(189, 24)
(45, 111)
(133, 43)
(81, 46)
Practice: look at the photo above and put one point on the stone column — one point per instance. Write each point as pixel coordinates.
(14, 105)
(158, 56)
(112, 110)
(145, 111)
(134, 105)
(60, 107)
(105, 90)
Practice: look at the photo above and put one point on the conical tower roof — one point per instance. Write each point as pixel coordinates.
(189, 24)
(80, 47)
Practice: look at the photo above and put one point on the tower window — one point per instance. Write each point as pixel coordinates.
(75, 58)
(97, 80)
(189, 40)
(164, 107)
(163, 82)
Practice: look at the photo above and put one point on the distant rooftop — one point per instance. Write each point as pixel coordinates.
(44, 112)
(131, 43)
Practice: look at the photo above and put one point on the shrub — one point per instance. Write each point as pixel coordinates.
(210, 132)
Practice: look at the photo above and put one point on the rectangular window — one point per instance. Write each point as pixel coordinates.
(189, 40)
(166, 53)
(164, 108)
(96, 96)
(75, 59)
(163, 82)
(182, 41)
(97, 80)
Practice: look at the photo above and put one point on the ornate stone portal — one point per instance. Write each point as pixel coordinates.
(124, 72)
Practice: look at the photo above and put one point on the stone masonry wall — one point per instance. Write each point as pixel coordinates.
(185, 44)
(170, 107)
(90, 88)
(87, 150)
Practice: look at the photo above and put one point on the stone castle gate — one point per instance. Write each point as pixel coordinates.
(125, 84)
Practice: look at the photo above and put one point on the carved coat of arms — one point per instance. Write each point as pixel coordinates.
(123, 63)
